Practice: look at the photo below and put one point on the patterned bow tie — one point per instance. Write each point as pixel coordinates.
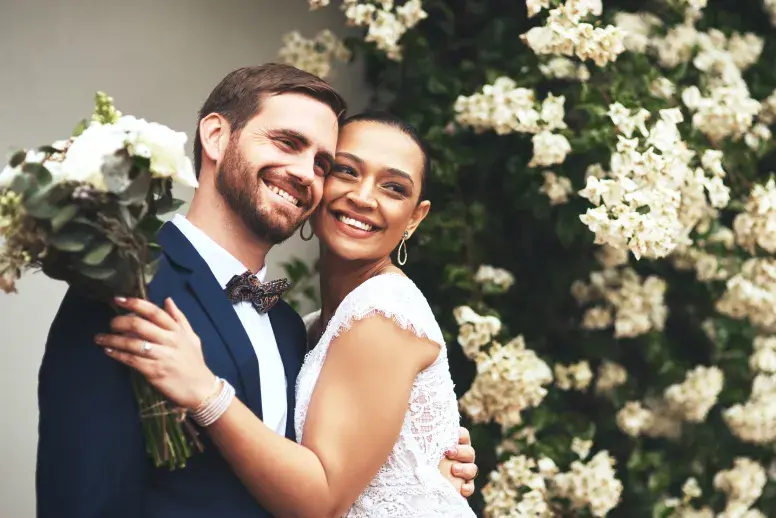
(263, 295)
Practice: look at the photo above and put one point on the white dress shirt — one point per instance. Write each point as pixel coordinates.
(257, 325)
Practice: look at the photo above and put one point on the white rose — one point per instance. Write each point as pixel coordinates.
(84, 159)
(164, 147)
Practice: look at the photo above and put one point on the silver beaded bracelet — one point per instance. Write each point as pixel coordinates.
(215, 408)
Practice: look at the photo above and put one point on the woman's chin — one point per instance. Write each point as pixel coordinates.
(349, 251)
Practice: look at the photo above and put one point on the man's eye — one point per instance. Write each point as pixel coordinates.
(323, 165)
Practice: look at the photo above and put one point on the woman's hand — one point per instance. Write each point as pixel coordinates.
(459, 466)
(162, 346)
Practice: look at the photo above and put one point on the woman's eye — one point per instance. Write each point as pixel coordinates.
(287, 142)
(399, 189)
(339, 168)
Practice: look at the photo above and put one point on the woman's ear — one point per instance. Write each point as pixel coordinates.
(418, 215)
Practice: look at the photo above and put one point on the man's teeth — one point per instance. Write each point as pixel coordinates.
(283, 194)
(355, 223)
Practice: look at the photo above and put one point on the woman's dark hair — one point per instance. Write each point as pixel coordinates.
(395, 122)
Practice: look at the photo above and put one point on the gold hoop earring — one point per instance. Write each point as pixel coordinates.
(403, 244)
(301, 232)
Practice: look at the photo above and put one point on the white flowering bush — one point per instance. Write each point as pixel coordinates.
(602, 246)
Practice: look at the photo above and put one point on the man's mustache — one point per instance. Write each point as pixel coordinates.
(289, 184)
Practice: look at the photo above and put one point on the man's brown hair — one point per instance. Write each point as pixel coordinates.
(238, 96)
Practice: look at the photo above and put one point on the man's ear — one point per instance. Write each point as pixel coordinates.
(214, 135)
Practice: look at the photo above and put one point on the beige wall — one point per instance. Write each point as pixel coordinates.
(159, 59)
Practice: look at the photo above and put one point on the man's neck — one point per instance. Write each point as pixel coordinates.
(338, 277)
(223, 226)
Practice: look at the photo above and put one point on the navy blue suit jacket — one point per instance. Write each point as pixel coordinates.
(91, 457)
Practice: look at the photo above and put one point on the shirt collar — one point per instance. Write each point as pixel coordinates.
(223, 264)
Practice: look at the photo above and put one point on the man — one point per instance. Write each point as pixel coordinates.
(263, 132)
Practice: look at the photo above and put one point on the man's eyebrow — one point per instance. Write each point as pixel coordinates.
(305, 142)
(391, 170)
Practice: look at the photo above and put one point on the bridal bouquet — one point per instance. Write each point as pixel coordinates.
(85, 211)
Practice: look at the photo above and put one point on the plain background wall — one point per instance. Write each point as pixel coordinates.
(159, 59)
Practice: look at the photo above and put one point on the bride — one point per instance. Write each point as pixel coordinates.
(376, 410)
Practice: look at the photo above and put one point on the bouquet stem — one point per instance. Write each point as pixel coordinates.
(169, 437)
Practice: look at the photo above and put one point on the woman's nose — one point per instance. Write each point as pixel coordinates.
(362, 197)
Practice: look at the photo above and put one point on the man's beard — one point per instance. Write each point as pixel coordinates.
(237, 181)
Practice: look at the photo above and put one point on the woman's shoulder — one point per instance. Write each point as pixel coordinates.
(387, 289)
(395, 296)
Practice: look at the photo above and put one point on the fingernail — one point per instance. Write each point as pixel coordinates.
(457, 470)
(108, 350)
(452, 451)
(120, 300)
(99, 338)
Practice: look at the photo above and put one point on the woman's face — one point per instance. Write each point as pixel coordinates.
(370, 197)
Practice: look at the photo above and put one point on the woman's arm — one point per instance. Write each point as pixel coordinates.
(353, 422)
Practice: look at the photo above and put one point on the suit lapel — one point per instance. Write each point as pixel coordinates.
(213, 300)
(292, 360)
(229, 326)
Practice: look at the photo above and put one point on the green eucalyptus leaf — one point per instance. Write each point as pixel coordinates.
(97, 254)
(168, 204)
(39, 207)
(17, 158)
(74, 241)
(38, 171)
(49, 150)
(150, 226)
(63, 217)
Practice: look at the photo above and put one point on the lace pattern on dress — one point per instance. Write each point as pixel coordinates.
(409, 484)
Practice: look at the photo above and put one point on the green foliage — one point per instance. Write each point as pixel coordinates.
(303, 279)
(97, 241)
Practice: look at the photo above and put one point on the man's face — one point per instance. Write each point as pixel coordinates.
(272, 171)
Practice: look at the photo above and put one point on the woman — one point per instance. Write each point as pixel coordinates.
(380, 354)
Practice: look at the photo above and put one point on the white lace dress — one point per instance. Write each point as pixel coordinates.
(409, 484)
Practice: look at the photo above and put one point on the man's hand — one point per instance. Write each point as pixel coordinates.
(459, 466)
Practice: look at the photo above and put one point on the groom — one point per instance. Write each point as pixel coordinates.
(264, 132)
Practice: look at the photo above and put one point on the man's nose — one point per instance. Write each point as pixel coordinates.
(303, 170)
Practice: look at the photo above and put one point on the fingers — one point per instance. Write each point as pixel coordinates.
(463, 454)
(464, 436)
(139, 327)
(177, 314)
(467, 471)
(467, 489)
(149, 311)
(127, 344)
(142, 365)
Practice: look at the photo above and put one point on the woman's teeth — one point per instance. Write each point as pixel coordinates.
(354, 223)
(283, 194)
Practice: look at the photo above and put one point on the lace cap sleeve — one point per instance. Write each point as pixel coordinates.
(391, 295)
